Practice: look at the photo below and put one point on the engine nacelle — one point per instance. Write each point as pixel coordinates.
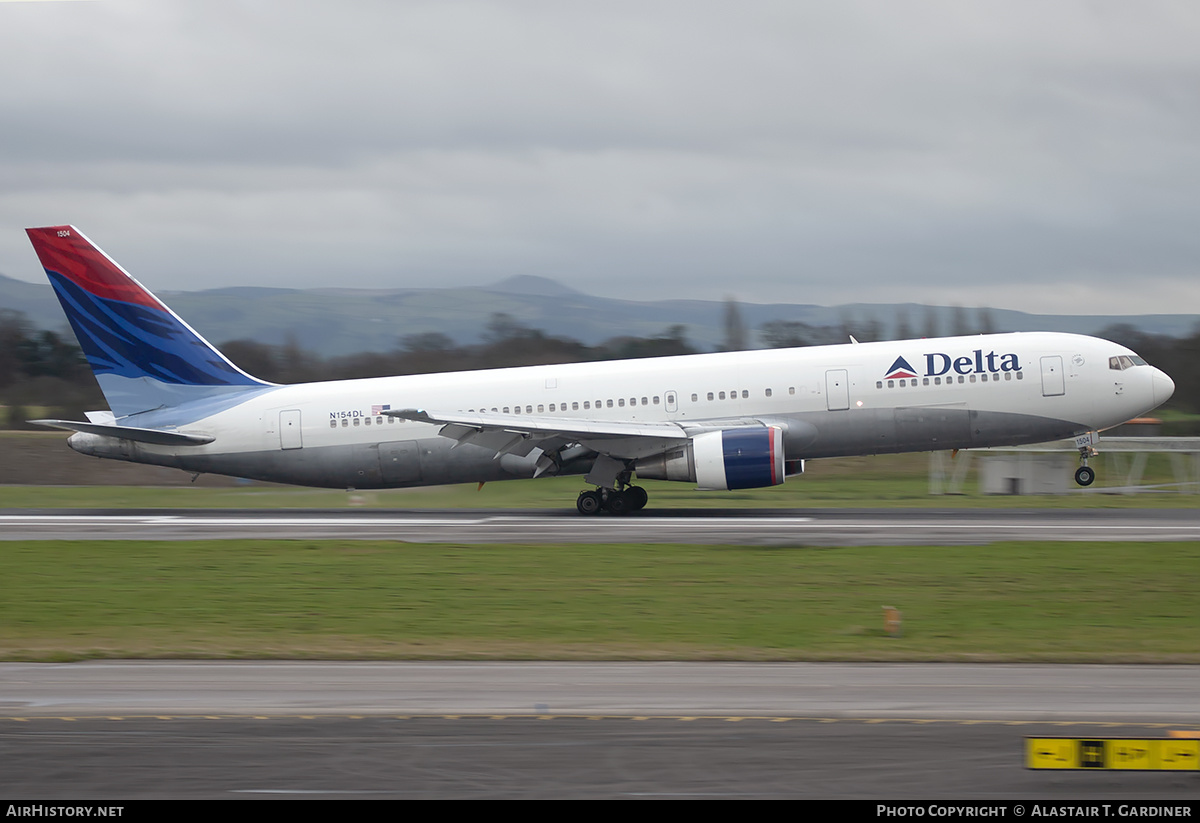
(745, 458)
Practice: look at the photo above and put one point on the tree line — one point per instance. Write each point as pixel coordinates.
(43, 373)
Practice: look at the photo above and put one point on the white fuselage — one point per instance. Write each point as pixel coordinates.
(831, 400)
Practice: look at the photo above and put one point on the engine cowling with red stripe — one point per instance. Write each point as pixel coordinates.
(742, 458)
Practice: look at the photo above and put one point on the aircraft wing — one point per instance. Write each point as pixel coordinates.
(540, 425)
(520, 434)
(613, 443)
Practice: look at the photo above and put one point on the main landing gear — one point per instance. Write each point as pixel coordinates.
(624, 501)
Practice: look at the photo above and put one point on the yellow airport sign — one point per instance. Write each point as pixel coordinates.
(1130, 753)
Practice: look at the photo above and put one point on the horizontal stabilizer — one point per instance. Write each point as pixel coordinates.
(157, 437)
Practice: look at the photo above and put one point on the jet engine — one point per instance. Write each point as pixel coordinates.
(743, 458)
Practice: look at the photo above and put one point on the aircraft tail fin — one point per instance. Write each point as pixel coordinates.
(143, 355)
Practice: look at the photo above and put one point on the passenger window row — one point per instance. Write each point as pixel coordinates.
(995, 377)
(586, 405)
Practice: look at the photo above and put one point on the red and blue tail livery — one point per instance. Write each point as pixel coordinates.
(143, 355)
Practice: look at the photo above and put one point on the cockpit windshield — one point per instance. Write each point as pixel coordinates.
(1125, 361)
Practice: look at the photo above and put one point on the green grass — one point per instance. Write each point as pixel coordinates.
(1064, 602)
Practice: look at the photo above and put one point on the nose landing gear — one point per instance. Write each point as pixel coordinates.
(1085, 475)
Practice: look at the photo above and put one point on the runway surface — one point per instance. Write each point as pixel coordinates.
(126, 730)
(816, 527)
(330, 758)
(910, 691)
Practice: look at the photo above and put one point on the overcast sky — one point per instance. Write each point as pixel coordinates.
(1028, 155)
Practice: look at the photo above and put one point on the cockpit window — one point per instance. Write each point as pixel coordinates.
(1124, 361)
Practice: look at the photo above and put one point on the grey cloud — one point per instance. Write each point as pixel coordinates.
(925, 151)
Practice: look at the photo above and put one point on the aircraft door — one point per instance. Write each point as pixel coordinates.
(671, 401)
(1053, 383)
(837, 389)
(289, 430)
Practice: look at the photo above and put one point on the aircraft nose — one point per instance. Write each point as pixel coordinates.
(1164, 387)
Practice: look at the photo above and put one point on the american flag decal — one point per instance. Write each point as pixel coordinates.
(380, 409)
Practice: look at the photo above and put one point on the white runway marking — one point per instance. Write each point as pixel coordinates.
(350, 522)
(174, 519)
(828, 528)
(673, 522)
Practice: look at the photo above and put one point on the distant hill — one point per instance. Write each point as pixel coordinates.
(36, 301)
(534, 286)
(332, 322)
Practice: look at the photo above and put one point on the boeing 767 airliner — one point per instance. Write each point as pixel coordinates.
(723, 421)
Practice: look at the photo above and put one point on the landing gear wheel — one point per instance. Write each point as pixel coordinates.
(619, 503)
(589, 503)
(1085, 476)
(637, 498)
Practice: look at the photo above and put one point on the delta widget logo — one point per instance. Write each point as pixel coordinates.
(900, 369)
